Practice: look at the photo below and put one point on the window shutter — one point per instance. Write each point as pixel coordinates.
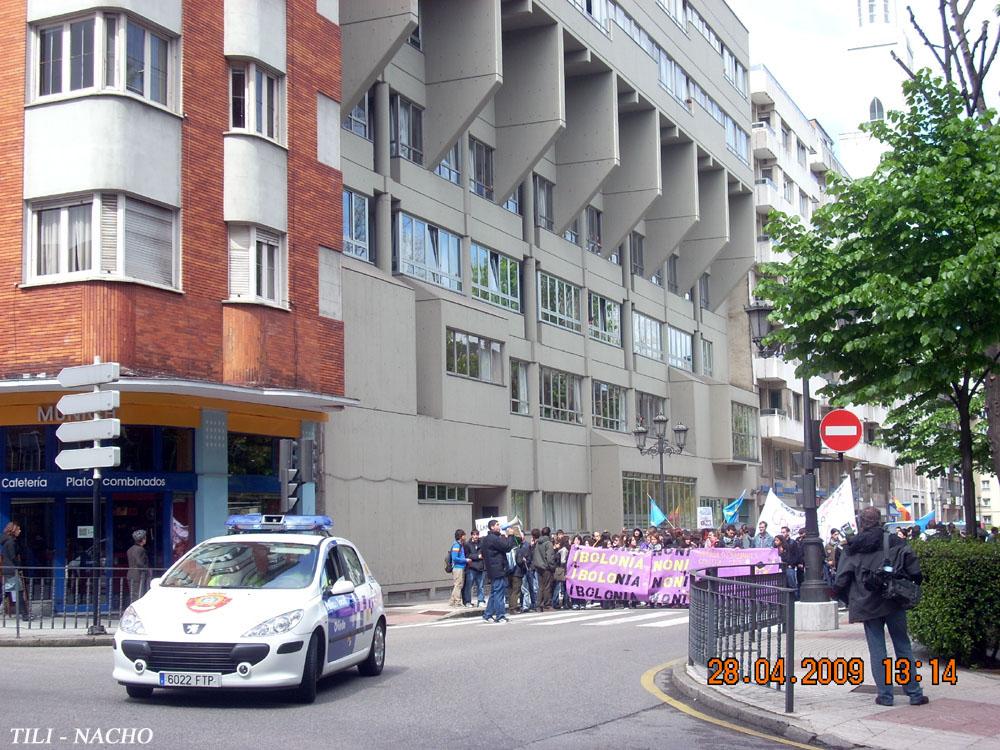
(149, 242)
(239, 261)
(109, 232)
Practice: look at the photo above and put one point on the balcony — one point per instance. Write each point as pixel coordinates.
(767, 252)
(765, 141)
(779, 428)
(822, 160)
(766, 196)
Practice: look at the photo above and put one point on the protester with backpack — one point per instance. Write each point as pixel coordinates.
(475, 570)
(878, 578)
(457, 562)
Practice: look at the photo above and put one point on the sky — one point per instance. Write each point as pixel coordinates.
(800, 42)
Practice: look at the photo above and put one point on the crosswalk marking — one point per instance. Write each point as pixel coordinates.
(632, 618)
(666, 624)
(571, 618)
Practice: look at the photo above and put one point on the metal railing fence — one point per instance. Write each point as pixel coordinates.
(747, 618)
(63, 598)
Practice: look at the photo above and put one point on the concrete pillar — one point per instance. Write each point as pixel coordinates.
(675, 212)
(371, 33)
(530, 296)
(307, 492)
(211, 500)
(710, 235)
(383, 135)
(633, 186)
(383, 232)
(730, 266)
(528, 219)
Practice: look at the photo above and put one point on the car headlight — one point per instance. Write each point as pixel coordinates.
(280, 624)
(130, 622)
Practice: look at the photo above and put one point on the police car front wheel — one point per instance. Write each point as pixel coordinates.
(372, 666)
(306, 691)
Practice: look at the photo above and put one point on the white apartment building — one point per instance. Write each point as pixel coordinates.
(547, 205)
(793, 156)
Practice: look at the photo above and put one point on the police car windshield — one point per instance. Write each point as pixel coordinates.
(245, 565)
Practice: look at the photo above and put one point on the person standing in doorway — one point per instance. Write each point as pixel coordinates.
(138, 566)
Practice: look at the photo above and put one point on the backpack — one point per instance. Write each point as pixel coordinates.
(448, 567)
(894, 586)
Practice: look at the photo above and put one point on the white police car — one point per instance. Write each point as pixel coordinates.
(277, 603)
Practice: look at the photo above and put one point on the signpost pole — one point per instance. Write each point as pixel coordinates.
(813, 588)
(96, 628)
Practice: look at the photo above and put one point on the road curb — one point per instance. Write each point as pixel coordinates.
(780, 724)
(57, 641)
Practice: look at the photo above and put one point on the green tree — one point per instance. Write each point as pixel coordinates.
(897, 285)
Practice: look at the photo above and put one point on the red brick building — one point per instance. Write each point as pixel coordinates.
(171, 193)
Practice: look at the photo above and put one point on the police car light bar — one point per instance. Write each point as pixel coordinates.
(276, 523)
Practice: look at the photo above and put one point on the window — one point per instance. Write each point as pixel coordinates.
(647, 407)
(519, 387)
(519, 501)
(647, 336)
(672, 284)
(605, 320)
(594, 221)
(563, 510)
(735, 72)
(559, 396)
(638, 251)
(85, 53)
(544, 206)
(797, 407)
(779, 463)
(442, 493)
(256, 264)
(496, 278)
(745, 422)
(875, 110)
(254, 94)
(513, 203)
(707, 358)
(984, 485)
(105, 233)
(480, 169)
(473, 356)
(704, 294)
(359, 119)
(572, 233)
(789, 190)
(407, 128)
(871, 432)
(801, 152)
(558, 302)
(680, 344)
(804, 205)
(25, 449)
(424, 251)
(676, 499)
(609, 407)
(450, 167)
(737, 139)
(414, 40)
(356, 226)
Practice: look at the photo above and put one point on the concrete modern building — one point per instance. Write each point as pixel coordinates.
(793, 157)
(882, 29)
(171, 185)
(547, 205)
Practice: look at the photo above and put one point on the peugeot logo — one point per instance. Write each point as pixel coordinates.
(193, 628)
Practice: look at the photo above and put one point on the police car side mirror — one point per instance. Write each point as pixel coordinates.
(340, 588)
(154, 583)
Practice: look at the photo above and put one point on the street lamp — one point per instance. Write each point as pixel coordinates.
(661, 447)
(856, 471)
(813, 587)
(869, 483)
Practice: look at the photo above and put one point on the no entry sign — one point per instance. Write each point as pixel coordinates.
(840, 430)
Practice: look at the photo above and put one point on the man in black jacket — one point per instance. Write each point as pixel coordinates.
(475, 570)
(862, 555)
(495, 546)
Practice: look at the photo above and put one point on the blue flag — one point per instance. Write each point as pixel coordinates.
(656, 516)
(924, 520)
(732, 510)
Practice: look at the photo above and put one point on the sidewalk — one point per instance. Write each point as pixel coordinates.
(42, 632)
(964, 715)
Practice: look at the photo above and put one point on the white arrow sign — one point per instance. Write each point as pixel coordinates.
(89, 458)
(86, 403)
(71, 377)
(94, 429)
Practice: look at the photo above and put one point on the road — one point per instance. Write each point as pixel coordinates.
(561, 680)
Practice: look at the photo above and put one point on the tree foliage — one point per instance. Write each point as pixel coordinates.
(897, 285)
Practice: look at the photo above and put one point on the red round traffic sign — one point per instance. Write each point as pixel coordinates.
(840, 430)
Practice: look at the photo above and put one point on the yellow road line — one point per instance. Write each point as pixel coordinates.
(649, 683)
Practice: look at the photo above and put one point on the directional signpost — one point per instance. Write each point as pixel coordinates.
(840, 430)
(90, 431)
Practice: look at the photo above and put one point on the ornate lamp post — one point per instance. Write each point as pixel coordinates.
(661, 447)
(856, 471)
(813, 587)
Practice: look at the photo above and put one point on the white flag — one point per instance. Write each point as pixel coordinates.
(776, 514)
(837, 510)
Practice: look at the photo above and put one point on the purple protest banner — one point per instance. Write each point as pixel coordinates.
(595, 573)
(668, 577)
(764, 560)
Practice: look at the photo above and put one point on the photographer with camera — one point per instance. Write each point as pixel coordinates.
(878, 578)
